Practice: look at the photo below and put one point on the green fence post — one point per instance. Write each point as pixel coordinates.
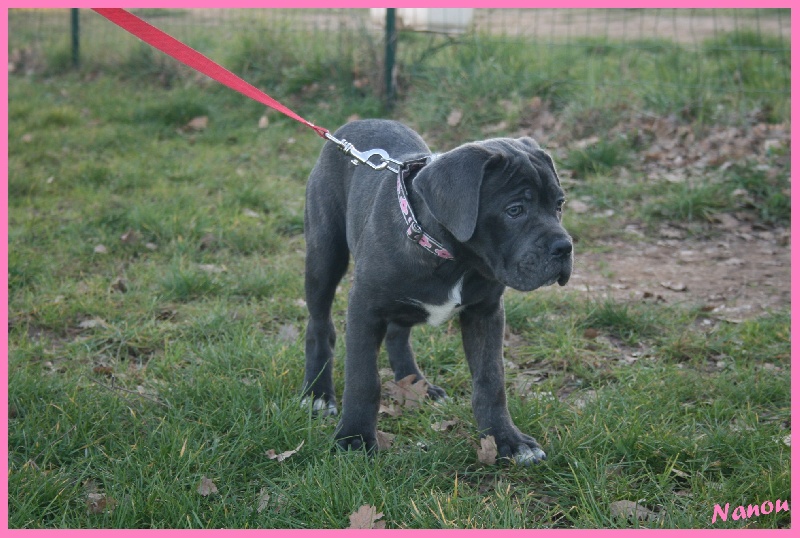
(76, 41)
(391, 49)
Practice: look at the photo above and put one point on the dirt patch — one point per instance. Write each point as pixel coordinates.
(735, 266)
(735, 276)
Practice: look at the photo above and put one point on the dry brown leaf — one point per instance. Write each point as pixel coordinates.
(366, 517)
(100, 249)
(390, 409)
(263, 500)
(206, 487)
(680, 473)
(726, 221)
(577, 207)
(443, 425)
(591, 334)
(406, 392)
(487, 453)
(674, 286)
(91, 323)
(97, 503)
(385, 440)
(211, 268)
(199, 123)
(104, 370)
(288, 333)
(119, 285)
(583, 398)
(207, 241)
(263, 122)
(283, 455)
(130, 237)
(630, 509)
(454, 118)
(166, 314)
(495, 128)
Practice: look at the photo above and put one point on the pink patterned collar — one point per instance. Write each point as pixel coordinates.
(414, 230)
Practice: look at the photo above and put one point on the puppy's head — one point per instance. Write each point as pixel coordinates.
(502, 200)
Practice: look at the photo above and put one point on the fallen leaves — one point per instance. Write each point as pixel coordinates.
(206, 487)
(591, 334)
(674, 286)
(406, 392)
(454, 118)
(443, 426)
(385, 439)
(263, 500)
(366, 517)
(130, 237)
(288, 333)
(251, 214)
(487, 453)
(199, 123)
(632, 510)
(107, 371)
(271, 454)
(119, 285)
(98, 503)
(92, 323)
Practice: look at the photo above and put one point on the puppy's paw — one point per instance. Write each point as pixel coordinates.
(525, 455)
(320, 407)
(436, 393)
(357, 442)
(522, 449)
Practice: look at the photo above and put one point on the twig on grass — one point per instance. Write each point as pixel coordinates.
(114, 387)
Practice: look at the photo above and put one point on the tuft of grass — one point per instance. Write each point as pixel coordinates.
(175, 112)
(690, 202)
(597, 158)
(760, 189)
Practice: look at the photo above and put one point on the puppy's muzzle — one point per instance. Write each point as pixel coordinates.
(561, 252)
(561, 248)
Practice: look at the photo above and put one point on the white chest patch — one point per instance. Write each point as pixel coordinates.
(438, 314)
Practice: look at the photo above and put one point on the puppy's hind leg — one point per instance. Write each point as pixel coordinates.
(326, 262)
(401, 357)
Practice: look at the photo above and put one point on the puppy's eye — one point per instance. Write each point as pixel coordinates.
(560, 205)
(515, 210)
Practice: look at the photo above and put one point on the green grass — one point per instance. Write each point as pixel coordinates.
(202, 348)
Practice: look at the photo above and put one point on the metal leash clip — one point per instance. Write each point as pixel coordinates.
(363, 157)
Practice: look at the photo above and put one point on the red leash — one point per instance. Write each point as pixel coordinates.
(183, 53)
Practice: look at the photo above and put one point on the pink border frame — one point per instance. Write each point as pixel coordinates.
(795, 226)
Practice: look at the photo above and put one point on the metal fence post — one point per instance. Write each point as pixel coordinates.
(76, 41)
(391, 49)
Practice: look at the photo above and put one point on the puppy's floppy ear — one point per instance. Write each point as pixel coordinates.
(451, 185)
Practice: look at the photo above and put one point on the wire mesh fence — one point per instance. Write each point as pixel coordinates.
(744, 43)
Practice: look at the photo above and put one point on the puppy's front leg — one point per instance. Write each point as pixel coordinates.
(482, 329)
(362, 385)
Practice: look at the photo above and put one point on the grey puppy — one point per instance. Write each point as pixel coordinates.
(480, 217)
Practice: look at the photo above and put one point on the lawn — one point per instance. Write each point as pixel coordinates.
(156, 311)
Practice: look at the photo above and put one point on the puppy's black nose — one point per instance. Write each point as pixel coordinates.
(561, 248)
